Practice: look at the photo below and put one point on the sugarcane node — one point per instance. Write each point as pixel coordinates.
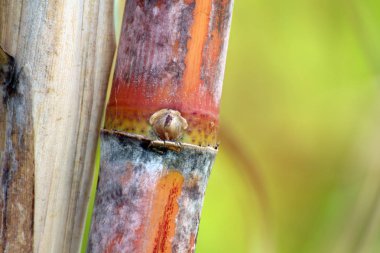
(168, 124)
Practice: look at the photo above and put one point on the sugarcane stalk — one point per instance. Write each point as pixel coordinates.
(160, 135)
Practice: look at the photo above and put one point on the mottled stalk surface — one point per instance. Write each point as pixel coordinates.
(150, 192)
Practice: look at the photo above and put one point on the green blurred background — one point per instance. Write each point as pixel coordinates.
(299, 164)
(299, 167)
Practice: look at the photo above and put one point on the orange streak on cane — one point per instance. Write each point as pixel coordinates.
(164, 212)
(195, 45)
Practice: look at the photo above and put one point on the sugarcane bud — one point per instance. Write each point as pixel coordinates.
(168, 124)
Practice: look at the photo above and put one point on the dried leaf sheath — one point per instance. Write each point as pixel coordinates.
(171, 55)
(64, 51)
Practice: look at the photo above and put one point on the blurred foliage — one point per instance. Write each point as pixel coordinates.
(301, 98)
(299, 166)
